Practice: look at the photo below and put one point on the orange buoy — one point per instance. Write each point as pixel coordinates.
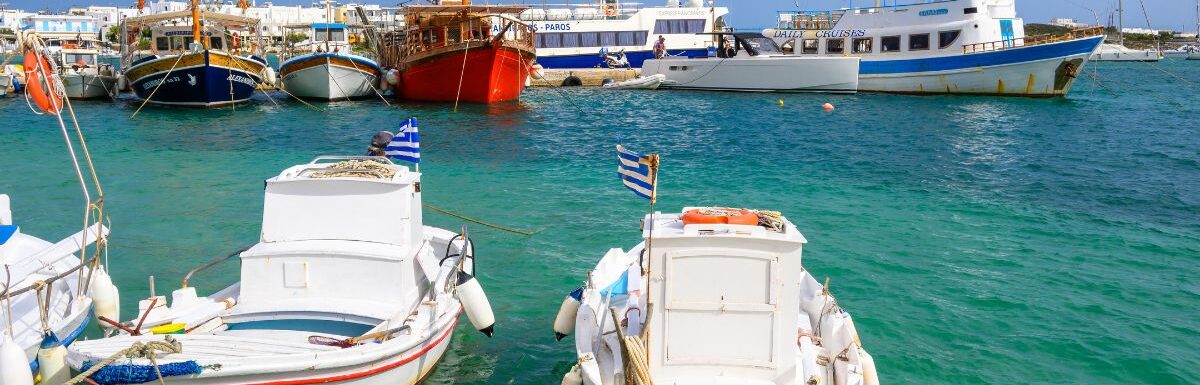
(828, 107)
(720, 216)
(40, 83)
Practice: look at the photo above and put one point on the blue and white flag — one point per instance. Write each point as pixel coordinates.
(404, 145)
(637, 172)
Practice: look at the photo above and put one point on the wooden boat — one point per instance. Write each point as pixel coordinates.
(345, 286)
(325, 67)
(83, 75)
(31, 260)
(191, 65)
(470, 53)
(718, 296)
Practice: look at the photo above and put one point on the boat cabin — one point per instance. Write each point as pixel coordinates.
(339, 234)
(724, 297)
(178, 39)
(746, 43)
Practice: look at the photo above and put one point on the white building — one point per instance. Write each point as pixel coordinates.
(1141, 31)
(60, 26)
(1065, 22)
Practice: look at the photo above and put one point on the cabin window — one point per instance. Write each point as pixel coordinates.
(947, 38)
(570, 40)
(214, 43)
(788, 47)
(454, 35)
(677, 26)
(162, 43)
(864, 45)
(552, 40)
(626, 38)
(331, 34)
(889, 44)
(970, 10)
(608, 39)
(837, 46)
(79, 59)
(810, 46)
(918, 42)
(589, 39)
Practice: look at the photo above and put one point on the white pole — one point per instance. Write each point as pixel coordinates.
(1120, 23)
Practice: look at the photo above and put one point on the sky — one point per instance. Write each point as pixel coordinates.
(1163, 14)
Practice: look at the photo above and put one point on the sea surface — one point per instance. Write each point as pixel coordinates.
(976, 240)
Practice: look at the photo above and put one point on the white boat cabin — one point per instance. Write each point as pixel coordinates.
(342, 241)
(178, 39)
(726, 300)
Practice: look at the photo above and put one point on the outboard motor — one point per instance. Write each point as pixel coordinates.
(379, 143)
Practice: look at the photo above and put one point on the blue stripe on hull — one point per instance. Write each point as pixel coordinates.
(198, 86)
(989, 59)
(636, 58)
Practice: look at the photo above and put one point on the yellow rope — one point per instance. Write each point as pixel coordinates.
(139, 109)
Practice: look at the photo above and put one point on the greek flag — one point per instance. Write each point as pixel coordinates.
(637, 172)
(404, 145)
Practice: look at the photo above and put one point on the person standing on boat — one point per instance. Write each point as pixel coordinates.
(660, 47)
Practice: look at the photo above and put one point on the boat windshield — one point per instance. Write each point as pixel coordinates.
(79, 59)
(759, 45)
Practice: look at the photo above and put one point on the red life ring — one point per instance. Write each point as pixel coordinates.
(610, 9)
(720, 216)
(41, 85)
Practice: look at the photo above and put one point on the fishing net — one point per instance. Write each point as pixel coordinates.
(137, 374)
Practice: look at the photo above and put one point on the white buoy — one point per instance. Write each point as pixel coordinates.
(564, 322)
(106, 298)
(810, 370)
(475, 302)
(52, 361)
(573, 376)
(870, 376)
(14, 367)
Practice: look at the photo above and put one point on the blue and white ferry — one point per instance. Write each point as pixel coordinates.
(942, 47)
(574, 36)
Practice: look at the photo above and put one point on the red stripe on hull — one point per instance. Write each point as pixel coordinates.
(491, 75)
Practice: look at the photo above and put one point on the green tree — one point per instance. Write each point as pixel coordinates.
(144, 44)
(295, 37)
(114, 34)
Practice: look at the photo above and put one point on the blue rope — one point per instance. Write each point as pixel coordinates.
(137, 374)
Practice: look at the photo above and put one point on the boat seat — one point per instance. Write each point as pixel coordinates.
(207, 346)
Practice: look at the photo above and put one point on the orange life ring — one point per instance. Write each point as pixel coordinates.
(610, 9)
(41, 86)
(720, 215)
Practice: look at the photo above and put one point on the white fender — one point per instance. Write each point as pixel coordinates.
(564, 322)
(269, 76)
(573, 376)
(810, 371)
(106, 298)
(122, 83)
(14, 367)
(475, 302)
(52, 361)
(870, 376)
(392, 76)
(589, 370)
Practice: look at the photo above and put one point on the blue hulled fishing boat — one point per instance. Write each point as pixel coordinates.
(196, 58)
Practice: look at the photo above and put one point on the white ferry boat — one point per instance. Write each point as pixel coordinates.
(943, 46)
(574, 36)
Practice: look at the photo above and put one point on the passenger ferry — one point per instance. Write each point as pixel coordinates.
(575, 36)
(942, 47)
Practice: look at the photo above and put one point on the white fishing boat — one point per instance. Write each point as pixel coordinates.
(326, 67)
(752, 62)
(1118, 52)
(941, 47)
(711, 296)
(345, 286)
(649, 82)
(38, 269)
(1181, 53)
(83, 75)
(6, 82)
(576, 35)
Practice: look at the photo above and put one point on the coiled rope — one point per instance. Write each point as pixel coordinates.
(138, 350)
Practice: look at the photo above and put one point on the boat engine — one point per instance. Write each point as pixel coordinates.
(379, 143)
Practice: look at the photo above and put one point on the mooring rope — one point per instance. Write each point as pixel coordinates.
(139, 109)
(481, 222)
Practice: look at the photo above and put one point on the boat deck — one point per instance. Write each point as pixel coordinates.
(228, 344)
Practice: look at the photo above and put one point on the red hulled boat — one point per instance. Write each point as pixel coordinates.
(462, 52)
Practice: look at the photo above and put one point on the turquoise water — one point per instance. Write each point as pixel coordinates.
(975, 240)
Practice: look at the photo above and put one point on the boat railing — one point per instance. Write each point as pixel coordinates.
(211, 263)
(1027, 41)
(471, 31)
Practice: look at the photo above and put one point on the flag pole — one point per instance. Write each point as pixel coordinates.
(649, 248)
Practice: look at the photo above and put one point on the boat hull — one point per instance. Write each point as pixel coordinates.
(758, 74)
(200, 79)
(487, 74)
(84, 86)
(636, 59)
(6, 81)
(1047, 70)
(1114, 52)
(1193, 56)
(329, 76)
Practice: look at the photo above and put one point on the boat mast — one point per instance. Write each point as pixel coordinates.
(1120, 23)
(196, 22)
(1198, 20)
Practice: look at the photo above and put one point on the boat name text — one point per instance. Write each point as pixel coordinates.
(834, 33)
(242, 79)
(154, 83)
(934, 12)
